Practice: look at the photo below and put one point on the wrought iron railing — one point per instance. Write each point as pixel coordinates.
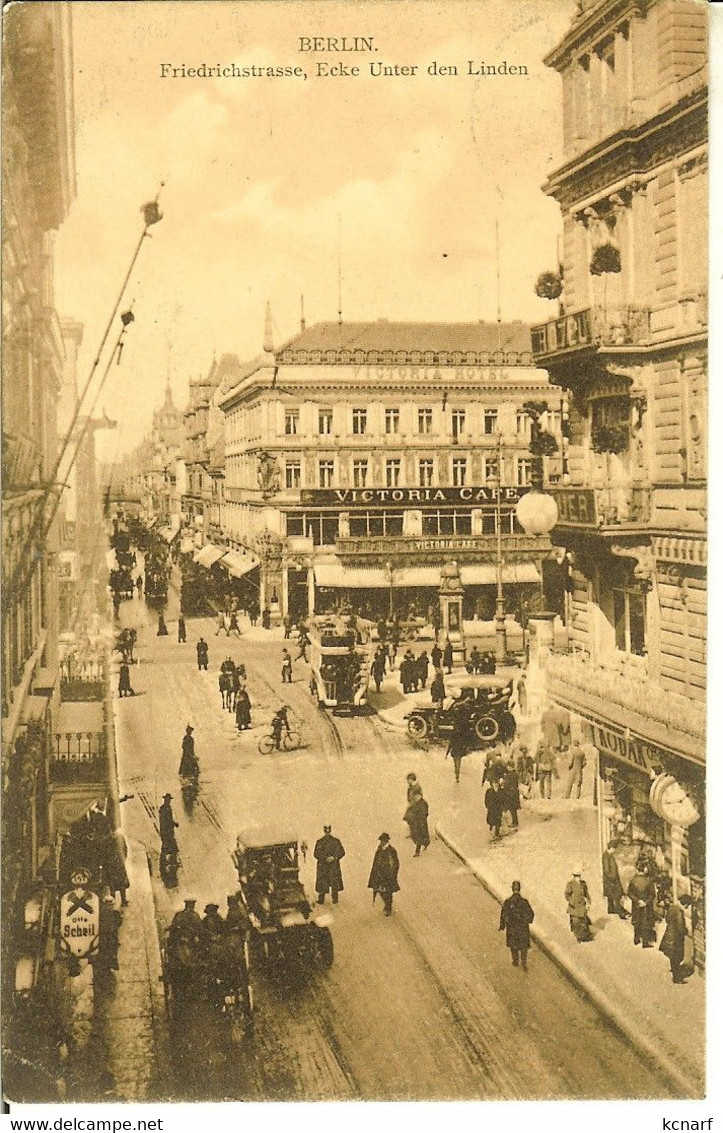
(593, 327)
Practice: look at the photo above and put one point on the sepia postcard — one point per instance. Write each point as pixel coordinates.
(354, 552)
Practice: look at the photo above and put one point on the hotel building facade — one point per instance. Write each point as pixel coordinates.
(357, 466)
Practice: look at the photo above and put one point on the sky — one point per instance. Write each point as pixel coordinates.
(269, 184)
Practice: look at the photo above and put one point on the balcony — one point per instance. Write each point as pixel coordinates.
(82, 680)
(601, 508)
(591, 329)
(383, 546)
(78, 749)
(618, 695)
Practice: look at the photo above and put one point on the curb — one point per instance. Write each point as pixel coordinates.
(601, 1000)
(143, 897)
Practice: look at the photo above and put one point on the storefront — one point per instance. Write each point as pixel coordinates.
(651, 808)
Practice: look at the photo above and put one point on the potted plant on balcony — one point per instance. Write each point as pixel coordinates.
(605, 261)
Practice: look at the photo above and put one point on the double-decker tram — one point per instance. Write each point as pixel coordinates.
(340, 658)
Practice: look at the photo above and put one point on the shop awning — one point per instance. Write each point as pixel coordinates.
(239, 563)
(169, 533)
(209, 555)
(374, 578)
(485, 574)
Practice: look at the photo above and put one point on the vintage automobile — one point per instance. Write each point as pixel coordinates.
(284, 928)
(482, 702)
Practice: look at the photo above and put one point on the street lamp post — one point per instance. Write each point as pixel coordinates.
(494, 482)
(390, 568)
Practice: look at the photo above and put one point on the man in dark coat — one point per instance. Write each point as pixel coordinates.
(124, 681)
(162, 630)
(181, 629)
(673, 943)
(423, 667)
(493, 804)
(437, 690)
(641, 892)
(448, 656)
(379, 664)
(436, 656)
(612, 885)
(406, 666)
(167, 826)
(511, 792)
(385, 872)
(202, 653)
(188, 768)
(243, 710)
(516, 917)
(328, 852)
(458, 745)
(416, 816)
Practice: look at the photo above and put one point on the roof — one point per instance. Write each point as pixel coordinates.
(256, 837)
(407, 337)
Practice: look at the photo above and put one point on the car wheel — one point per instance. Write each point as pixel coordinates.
(417, 727)
(486, 728)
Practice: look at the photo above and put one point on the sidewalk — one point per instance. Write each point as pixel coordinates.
(631, 987)
(118, 1048)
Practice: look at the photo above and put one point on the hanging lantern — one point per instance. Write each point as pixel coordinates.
(537, 513)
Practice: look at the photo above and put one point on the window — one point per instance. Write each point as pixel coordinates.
(326, 473)
(321, 527)
(490, 467)
(524, 425)
(366, 523)
(459, 471)
(293, 473)
(490, 421)
(426, 472)
(326, 422)
(424, 420)
(291, 422)
(358, 422)
(391, 420)
(524, 471)
(447, 523)
(360, 470)
(394, 468)
(629, 617)
(458, 419)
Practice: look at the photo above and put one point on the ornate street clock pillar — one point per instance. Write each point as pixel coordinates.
(450, 606)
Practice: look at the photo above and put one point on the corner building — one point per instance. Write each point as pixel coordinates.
(357, 460)
(630, 351)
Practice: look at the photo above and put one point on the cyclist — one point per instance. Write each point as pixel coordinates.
(279, 722)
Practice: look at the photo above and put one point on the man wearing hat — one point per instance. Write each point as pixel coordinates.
(385, 870)
(328, 852)
(167, 826)
(577, 896)
(188, 768)
(516, 917)
(213, 921)
(186, 924)
(673, 944)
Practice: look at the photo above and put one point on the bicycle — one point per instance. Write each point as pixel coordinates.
(290, 741)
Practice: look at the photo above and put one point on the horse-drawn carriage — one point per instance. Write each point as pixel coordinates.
(284, 929)
(215, 969)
